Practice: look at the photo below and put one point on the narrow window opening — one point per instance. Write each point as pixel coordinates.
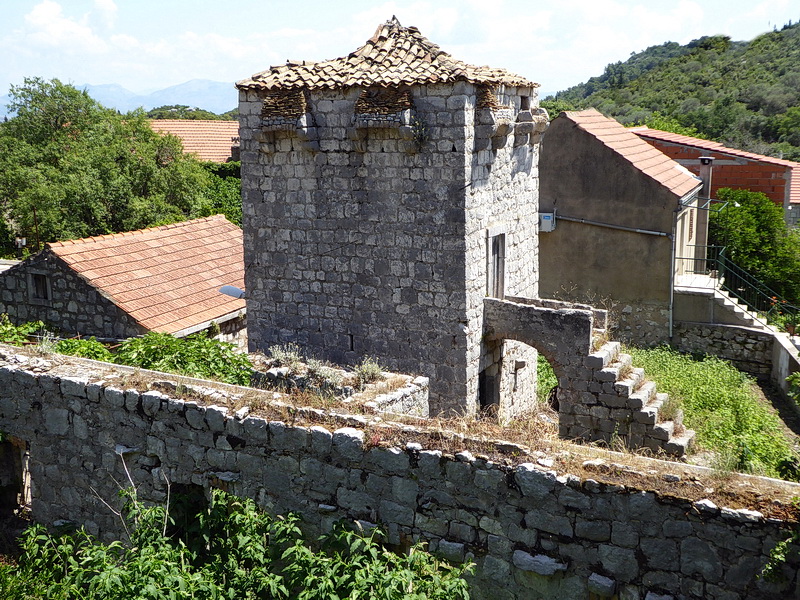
(352, 342)
(497, 266)
(40, 287)
(524, 103)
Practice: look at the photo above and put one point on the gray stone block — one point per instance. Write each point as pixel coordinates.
(540, 563)
(349, 443)
(605, 587)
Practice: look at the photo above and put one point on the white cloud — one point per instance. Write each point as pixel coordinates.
(107, 11)
(48, 28)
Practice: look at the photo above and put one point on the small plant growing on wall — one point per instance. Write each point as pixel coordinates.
(368, 371)
(419, 132)
(287, 355)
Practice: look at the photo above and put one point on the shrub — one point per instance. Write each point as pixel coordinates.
(227, 550)
(85, 348)
(18, 334)
(195, 356)
(287, 355)
(368, 371)
(321, 374)
(546, 379)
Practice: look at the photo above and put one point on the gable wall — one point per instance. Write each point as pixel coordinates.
(75, 307)
(625, 272)
(731, 172)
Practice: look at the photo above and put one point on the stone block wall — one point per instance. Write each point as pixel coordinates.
(369, 237)
(749, 349)
(530, 531)
(73, 307)
(356, 248)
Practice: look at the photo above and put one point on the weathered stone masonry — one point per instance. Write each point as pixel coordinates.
(531, 532)
(373, 188)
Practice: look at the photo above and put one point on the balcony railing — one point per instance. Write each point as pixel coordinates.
(711, 267)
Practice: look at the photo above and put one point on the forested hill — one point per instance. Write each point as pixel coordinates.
(743, 94)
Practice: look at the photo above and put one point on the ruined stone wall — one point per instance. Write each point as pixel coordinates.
(530, 531)
(73, 307)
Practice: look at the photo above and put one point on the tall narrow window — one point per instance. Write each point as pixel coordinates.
(39, 291)
(497, 266)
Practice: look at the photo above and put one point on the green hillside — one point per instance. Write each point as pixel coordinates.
(743, 94)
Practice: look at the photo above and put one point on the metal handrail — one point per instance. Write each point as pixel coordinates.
(767, 305)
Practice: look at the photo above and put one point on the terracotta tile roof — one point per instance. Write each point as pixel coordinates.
(167, 278)
(639, 153)
(395, 55)
(716, 147)
(209, 140)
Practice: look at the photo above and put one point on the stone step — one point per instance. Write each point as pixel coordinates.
(643, 395)
(627, 386)
(679, 445)
(663, 431)
(606, 355)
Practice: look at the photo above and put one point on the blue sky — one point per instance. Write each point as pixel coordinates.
(145, 45)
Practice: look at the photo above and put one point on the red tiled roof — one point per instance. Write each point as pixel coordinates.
(395, 55)
(639, 153)
(167, 278)
(716, 147)
(209, 140)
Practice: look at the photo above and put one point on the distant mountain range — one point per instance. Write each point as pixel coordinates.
(215, 96)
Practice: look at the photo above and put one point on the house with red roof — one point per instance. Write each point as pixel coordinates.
(163, 279)
(212, 141)
(623, 211)
(777, 178)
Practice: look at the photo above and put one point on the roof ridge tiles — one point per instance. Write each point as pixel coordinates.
(390, 44)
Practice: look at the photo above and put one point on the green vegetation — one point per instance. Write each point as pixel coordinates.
(744, 94)
(197, 355)
(84, 348)
(546, 379)
(71, 168)
(182, 111)
(227, 550)
(757, 239)
(18, 334)
(721, 404)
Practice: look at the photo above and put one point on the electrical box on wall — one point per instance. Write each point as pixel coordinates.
(547, 222)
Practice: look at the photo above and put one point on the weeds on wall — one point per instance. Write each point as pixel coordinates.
(228, 549)
(783, 551)
(368, 371)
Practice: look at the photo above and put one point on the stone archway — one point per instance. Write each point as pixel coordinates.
(601, 396)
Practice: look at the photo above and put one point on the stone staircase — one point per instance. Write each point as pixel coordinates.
(726, 308)
(620, 403)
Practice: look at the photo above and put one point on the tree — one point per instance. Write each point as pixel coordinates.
(71, 168)
(181, 111)
(757, 239)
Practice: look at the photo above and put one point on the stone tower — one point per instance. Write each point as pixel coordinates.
(386, 194)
